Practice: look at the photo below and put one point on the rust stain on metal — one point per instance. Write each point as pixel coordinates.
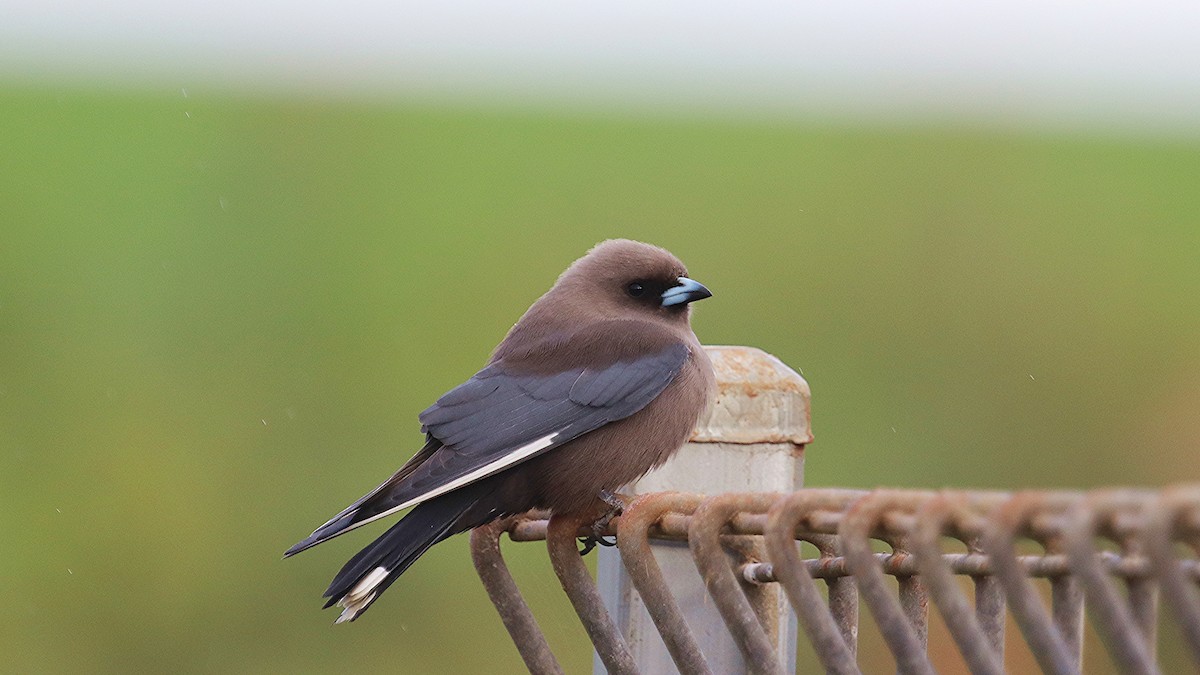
(752, 371)
(759, 400)
(744, 543)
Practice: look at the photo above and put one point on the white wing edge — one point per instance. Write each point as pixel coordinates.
(495, 466)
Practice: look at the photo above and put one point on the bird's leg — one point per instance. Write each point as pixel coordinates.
(616, 506)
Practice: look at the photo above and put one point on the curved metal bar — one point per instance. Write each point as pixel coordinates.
(843, 593)
(1049, 646)
(832, 644)
(1111, 614)
(633, 532)
(1164, 529)
(991, 611)
(900, 620)
(934, 519)
(579, 587)
(1128, 529)
(704, 538)
(503, 591)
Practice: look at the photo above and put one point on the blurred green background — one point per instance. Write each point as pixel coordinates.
(221, 313)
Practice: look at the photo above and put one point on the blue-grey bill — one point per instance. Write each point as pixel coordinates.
(687, 291)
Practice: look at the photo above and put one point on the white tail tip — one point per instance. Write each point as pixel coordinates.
(361, 595)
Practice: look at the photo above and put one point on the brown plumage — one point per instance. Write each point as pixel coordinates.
(600, 381)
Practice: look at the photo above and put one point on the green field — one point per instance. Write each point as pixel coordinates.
(219, 316)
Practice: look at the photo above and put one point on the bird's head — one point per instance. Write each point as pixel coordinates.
(620, 277)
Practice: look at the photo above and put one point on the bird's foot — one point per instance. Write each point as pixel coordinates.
(591, 541)
(600, 527)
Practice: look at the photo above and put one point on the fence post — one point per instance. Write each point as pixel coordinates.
(751, 440)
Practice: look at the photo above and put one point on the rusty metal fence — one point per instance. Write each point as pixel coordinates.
(1111, 551)
(720, 582)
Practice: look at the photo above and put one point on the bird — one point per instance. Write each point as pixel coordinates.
(600, 381)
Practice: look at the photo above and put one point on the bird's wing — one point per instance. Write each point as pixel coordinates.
(500, 418)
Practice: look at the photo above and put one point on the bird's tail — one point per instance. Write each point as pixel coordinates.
(368, 574)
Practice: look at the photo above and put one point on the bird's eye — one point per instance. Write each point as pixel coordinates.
(635, 290)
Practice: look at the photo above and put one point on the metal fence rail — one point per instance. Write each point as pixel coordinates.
(1109, 550)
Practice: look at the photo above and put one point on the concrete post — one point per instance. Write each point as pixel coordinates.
(751, 440)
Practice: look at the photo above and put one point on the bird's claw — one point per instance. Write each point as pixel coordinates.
(589, 542)
(601, 525)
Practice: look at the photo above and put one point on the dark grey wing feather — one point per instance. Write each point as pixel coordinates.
(480, 425)
(491, 422)
(523, 407)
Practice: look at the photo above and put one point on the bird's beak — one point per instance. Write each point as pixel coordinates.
(687, 291)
